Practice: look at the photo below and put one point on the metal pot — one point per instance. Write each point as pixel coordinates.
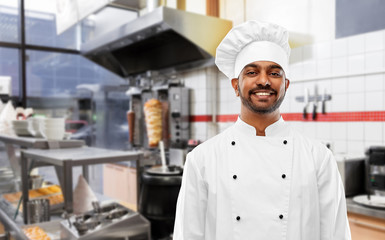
(158, 197)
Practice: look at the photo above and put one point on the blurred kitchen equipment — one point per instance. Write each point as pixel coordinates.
(352, 170)
(131, 123)
(146, 42)
(306, 101)
(158, 197)
(35, 181)
(177, 156)
(178, 98)
(108, 221)
(375, 178)
(375, 170)
(315, 102)
(38, 210)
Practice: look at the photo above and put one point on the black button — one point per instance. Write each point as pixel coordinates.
(233, 143)
(283, 175)
(281, 216)
(284, 142)
(238, 218)
(235, 176)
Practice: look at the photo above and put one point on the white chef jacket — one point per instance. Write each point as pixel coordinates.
(237, 185)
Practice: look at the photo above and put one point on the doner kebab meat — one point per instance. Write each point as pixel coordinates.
(153, 117)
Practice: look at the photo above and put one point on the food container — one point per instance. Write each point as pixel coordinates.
(38, 211)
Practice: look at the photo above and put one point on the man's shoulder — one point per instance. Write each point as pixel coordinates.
(213, 143)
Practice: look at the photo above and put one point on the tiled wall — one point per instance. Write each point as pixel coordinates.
(351, 70)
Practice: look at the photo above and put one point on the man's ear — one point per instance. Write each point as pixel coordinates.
(234, 83)
(287, 83)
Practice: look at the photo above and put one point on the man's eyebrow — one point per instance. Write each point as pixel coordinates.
(275, 66)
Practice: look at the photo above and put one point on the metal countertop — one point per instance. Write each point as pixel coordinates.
(359, 209)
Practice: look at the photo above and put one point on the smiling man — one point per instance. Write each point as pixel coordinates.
(260, 179)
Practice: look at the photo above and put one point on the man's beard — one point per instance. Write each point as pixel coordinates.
(260, 110)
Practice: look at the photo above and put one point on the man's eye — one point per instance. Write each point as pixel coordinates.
(276, 74)
(251, 73)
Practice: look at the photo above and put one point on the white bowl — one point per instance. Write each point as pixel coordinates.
(20, 123)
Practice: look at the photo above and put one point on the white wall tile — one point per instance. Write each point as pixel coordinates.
(356, 102)
(355, 131)
(199, 108)
(324, 68)
(339, 147)
(374, 62)
(296, 71)
(374, 101)
(374, 82)
(356, 147)
(356, 84)
(340, 66)
(296, 55)
(373, 131)
(383, 133)
(309, 70)
(339, 103)
(374, 41)
(308, 53)
(339, 85)
(340, 48)
(339, 131)
(324, 50)
(356, 44)
(323, 131)
(356, 64)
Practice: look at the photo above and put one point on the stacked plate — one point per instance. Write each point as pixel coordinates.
(22, 128)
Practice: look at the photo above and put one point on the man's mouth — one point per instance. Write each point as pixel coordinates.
(263, 93)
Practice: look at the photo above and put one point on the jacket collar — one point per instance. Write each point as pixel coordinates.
(277, 129)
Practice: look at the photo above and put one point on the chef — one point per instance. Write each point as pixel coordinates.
(260, 179)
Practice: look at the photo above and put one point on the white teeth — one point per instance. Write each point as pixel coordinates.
(262, 94)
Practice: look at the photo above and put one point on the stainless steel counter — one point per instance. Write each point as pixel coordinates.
(359, 209)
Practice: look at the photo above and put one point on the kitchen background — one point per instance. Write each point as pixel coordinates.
(338, 58)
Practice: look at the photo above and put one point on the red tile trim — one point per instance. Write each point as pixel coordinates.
(201, 118)
(372, 116)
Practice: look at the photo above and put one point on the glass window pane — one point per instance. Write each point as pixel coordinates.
(58, 74)
(40, 26)
(9, 66)
(9, 21)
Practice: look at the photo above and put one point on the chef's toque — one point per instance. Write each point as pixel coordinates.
(253, 41)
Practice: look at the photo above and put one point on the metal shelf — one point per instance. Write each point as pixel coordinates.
(64, 160)
(30, 142)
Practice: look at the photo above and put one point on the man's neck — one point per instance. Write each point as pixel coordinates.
(259, 121)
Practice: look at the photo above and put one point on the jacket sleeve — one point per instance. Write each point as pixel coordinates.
(333, 212)
(191, 204)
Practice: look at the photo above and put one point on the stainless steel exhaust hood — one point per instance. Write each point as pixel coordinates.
(162, 39)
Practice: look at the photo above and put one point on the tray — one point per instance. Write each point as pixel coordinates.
(51, 228)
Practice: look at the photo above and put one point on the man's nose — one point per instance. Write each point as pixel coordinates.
(263, 79)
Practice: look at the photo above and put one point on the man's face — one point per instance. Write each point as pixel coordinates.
(261, 86)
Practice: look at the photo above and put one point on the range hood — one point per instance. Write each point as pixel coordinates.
(162, 39)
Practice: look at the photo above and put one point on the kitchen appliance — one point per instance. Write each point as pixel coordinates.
(175, 115)
(163, 39)
(352, 171)
(375, 170)
(110, 221)
(375, 178)
(158, 197)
